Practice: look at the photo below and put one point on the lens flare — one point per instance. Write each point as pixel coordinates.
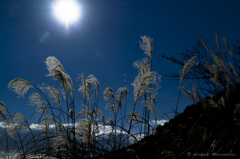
(44, 37)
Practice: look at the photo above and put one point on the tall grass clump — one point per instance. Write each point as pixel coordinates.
(66, 133)
(218, 124)
(208, 128)
(222, 73)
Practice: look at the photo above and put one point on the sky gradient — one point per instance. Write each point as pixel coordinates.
(105, 43)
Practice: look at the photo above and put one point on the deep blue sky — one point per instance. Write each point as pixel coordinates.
(105, 43)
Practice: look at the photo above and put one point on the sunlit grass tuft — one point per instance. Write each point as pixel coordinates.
(66, 133)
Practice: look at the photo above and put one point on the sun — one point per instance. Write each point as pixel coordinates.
(67, 11)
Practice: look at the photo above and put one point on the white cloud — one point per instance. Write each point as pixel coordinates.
(103, 133)
(159, 122)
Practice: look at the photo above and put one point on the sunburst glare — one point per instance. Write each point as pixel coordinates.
(67, 11)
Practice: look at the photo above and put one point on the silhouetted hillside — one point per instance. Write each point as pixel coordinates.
(199, 132)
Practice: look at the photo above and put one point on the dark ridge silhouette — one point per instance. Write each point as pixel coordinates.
(195, 133)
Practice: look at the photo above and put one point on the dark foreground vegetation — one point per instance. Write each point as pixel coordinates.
(198, 132)
(207, 129)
